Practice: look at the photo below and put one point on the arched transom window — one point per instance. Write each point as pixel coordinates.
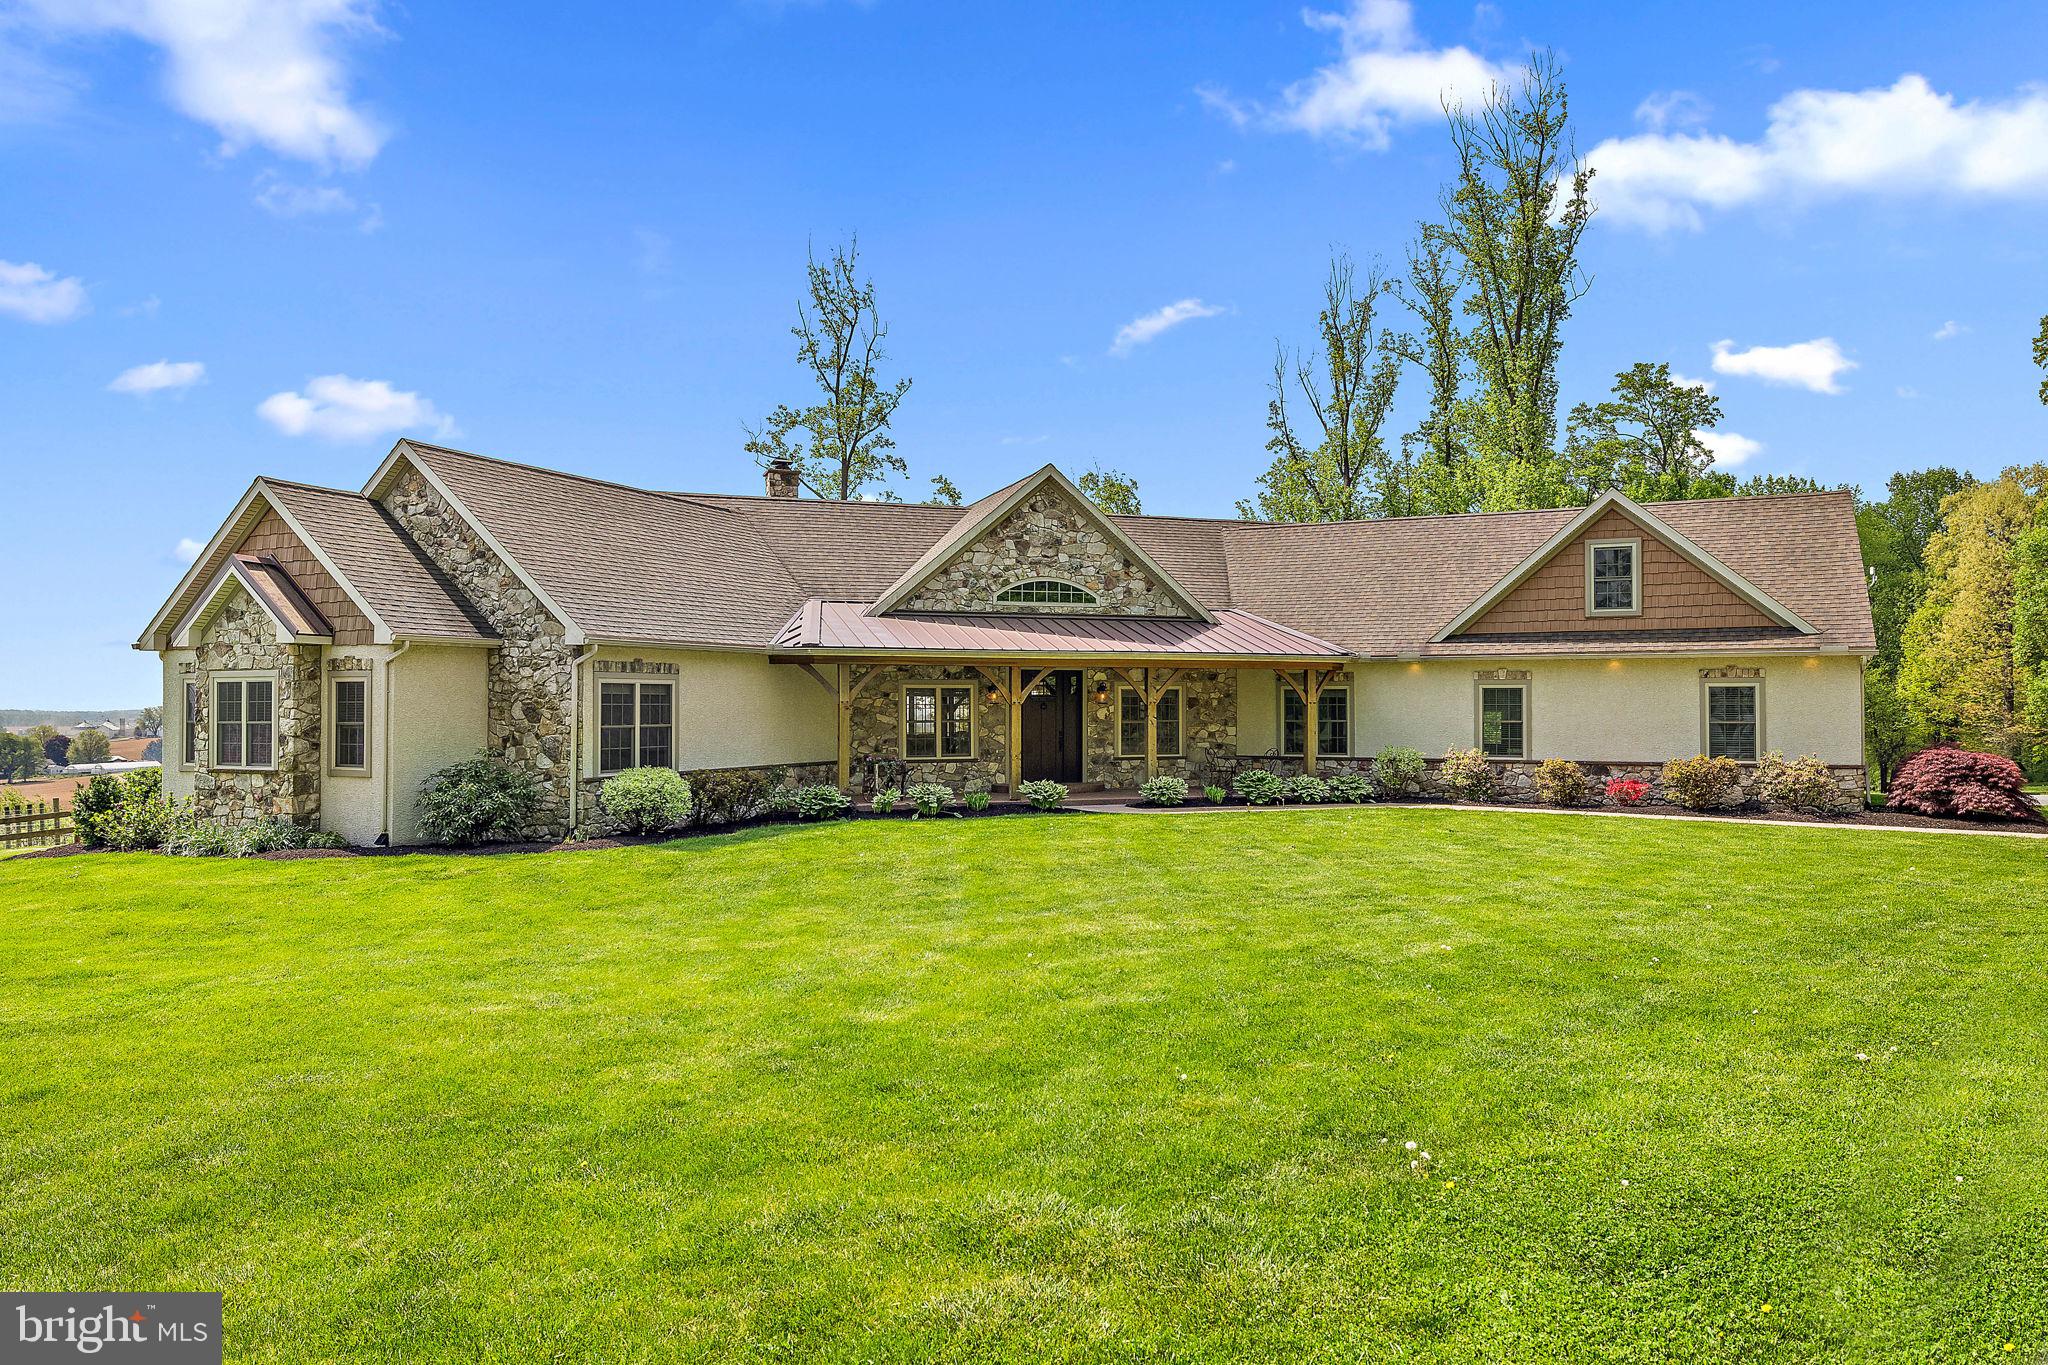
(1042, 592)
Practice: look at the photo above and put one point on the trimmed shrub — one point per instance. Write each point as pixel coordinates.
(1260, 788)
(1043, 795)
(1217, 795)
(1352, 787)
(976, 800)
(645, 800)
(1802, 784)
(1304, 790)
(1702, 783)
(886, 799)
(1466, 773)
(91, 805)
(1959, 782)
(1164, 791)
(728, 797)
(476, 800)
(1561, 782)
(929, 798)
(1399, 769)
(142, 817)
(820, 801)
(1627, 791)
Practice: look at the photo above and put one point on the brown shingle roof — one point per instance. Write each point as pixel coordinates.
(716, 569)
(381, 562)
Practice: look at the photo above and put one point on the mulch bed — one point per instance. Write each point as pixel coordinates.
(1893, 818)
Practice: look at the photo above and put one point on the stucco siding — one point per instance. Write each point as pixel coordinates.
(352, 800)
(732, 710)
(180, 666)
(1632, 710)
(437, 707)
(1258, 713)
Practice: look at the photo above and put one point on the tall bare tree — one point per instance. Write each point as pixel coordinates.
(840, 445)
(1338, 469)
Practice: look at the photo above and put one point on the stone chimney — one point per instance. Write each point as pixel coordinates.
(782, 481)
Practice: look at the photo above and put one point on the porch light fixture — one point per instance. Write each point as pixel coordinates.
(1102, 693)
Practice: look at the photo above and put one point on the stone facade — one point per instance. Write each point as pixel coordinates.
(530, 674)
(1208, 728)
(1048, 535)
(878, 729)
(241, 638)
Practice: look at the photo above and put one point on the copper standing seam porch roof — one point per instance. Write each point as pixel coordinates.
(280, 596)
(842, 626)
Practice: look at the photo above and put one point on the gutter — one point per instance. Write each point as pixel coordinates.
(575, 757)
(389, 659)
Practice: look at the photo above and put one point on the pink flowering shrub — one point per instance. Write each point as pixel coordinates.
(1627, 791)
(1947, 781)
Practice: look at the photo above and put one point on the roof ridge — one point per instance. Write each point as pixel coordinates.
(311, 487)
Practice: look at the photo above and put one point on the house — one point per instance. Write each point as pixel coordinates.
(331, 649)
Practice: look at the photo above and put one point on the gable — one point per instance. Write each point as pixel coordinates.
(1047, 535)
(271, 537)
(1676, 593)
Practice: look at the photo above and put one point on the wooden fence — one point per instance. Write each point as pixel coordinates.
(43, 822)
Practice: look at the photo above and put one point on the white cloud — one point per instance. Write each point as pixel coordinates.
(1022, 440)
(267, 73)
(1729, 448)
(1140, 330)
(338, 408)
(1672, 109)
(188, 549)
(157, 376)
(1904, 139)
(1948, 331)
(1686, 381)
(33, 294)
(1818, 364)
(282, 199)
(1384, 75)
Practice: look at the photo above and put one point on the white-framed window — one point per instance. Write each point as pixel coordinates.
(348, 725)
(191, 725)
(1047, 592)
(1732, 719)
(1130, 728)
(635, 725)
(1503, 728)
(938, 720)
(1333, 721)
(1614, 577)
(244, 721)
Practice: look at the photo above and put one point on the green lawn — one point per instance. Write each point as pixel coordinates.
(1102, 1087)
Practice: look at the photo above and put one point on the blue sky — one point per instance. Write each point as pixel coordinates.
(240, 239)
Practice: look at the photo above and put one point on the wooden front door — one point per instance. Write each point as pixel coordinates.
(1052, 729)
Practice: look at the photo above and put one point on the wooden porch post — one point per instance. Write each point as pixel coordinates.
(1151, 704)
(1016, 728)
(846, 728)
(1311, 738)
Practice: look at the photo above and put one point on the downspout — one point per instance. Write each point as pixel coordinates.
(386, 728)
(576, 662)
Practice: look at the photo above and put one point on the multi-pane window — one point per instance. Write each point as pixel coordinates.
(1333, 720)
(1047, 592)
(351, 723)
(191, 723)
(1732, 721)
(1611, 580)
(1504, 722)
(635, 725)
(1130, 739)
(938, 721)
(244, 724)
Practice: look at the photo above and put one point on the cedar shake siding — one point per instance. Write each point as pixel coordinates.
(1676, 594)
(273, 538)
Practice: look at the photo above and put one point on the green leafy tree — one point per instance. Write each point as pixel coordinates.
(1514, 218)
(2041, 355)
(1436, 450)
(840, 445)
(90, 746)
(2030, 626)
(1645, 440)
(151, 721)
(1111, 490)
(1894, 535)
(944, 492)
(21, 758)
(1334, 467)
(1768, 485)
(1960, 671)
